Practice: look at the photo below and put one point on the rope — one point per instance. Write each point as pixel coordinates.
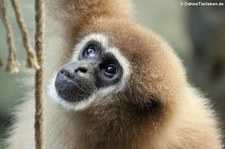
(31, 57)
(1, 62)
(39, 35)
(33, 61)
(12, 65)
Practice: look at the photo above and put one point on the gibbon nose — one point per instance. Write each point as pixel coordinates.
(80, 69)
(83, 69)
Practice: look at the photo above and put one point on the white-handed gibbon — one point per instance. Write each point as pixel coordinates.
(113, 84)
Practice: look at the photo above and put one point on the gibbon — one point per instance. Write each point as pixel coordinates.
(113, 84)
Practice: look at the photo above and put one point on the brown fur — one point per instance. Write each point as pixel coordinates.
(180, 118)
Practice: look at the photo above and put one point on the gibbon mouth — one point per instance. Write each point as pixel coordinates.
(72, 87)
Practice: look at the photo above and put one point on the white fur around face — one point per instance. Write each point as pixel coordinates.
(103, 40)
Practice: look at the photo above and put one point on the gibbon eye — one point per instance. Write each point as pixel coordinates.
(109, 70)
(90, 51)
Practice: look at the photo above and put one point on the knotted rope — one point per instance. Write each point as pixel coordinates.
(12, 65)
(31, 57)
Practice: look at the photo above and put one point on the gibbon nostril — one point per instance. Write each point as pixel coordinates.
(81, 69)
(67, 73)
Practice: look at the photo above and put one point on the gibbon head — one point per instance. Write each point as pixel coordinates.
(118, 65)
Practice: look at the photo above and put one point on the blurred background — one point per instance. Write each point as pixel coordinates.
(197, 34)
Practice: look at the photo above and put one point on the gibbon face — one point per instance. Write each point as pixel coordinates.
(95, 70)
(117, 64)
